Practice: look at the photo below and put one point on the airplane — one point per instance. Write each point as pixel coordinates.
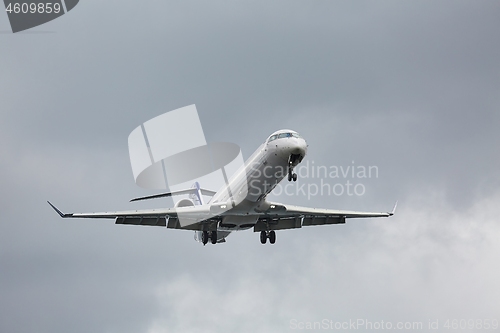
(241, 203)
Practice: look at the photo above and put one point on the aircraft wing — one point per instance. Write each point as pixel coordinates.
(278, 217)
(167, 217)
(318, 212)
(291, 217)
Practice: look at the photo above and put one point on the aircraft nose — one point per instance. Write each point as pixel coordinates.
(293, 146)
(299, 147)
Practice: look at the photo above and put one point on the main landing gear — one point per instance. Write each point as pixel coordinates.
(264, 235)
(205, 237)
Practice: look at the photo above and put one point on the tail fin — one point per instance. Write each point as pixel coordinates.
(195, 195)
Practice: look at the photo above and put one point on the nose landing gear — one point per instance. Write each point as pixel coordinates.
(293, 160)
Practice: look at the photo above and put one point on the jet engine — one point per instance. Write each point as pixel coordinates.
(184, 203)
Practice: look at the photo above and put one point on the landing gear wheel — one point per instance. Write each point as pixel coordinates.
(263, 237)
(272, 237)
(294, 177)
(213, 237)
(290, 176)
(204, 237)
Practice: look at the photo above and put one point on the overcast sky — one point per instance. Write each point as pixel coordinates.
(412, 88)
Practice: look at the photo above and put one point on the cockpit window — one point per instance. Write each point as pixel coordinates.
(283, 135)
(273, 137)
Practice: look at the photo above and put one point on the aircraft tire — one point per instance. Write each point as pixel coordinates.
(272, 237)
(263, 237)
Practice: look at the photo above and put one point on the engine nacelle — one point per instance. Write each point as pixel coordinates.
(184, 203)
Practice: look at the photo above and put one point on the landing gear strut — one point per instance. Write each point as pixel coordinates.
(291, 175)
(264, 235)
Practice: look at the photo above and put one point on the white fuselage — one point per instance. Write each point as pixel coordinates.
(247, 188)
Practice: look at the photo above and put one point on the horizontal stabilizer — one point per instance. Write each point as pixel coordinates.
(169, 194)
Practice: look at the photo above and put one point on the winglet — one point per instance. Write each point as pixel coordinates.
(61, 214)
(394, 209)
